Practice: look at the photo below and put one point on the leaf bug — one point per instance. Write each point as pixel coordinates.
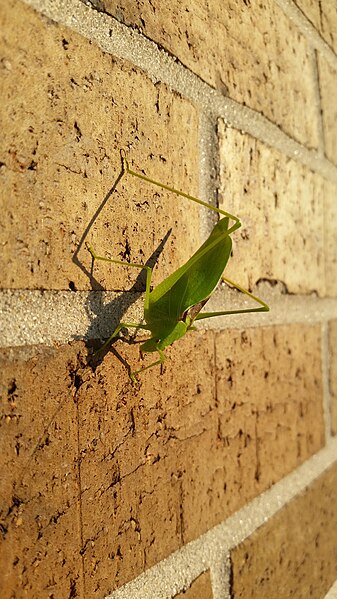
(171, 308)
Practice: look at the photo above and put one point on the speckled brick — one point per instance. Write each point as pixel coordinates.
(39, 506)
(330, 232)
(248, 50)
(201, 588)
(68, 109)
(295, 553)
(124, 475)
(270, 406)
(136, 451)
(323, 16)
(328, 89)
(166, 463)
(281, 207)
(328, 18)
(333, 373)
(311, 9)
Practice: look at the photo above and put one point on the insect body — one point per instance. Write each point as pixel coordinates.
(176, 303)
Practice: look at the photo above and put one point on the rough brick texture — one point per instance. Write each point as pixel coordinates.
(294, 554)
(330, 231)
(200, 588)
(67, 114)
(281, 205)
(311, 9)
(40, 510)
(224, 52)
(328, 86)
(106, 479)
(323, 16)
(101, 478)
(333, 373)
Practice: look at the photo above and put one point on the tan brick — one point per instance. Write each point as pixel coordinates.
(136, 453)
(250, 51)
(270, 415)
(40, 512)
(162, 489)
(330, 223)
(201, 588)
(311, 9)
(333, 374)
(281, 206)
(155, 465)
(323, 16)
(68, 110)
(328, 89)
(328, 17)
(295, 553)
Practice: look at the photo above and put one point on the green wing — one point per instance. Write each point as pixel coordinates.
(191, 283)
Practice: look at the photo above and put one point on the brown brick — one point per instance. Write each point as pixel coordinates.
(136, 452)
(154, 465)
(68, 110)
(281, 206)
(40, 511)
(333, 374)
(328, 87)
(250, 51)
(201, 588)
(269, 390)
(295, 553)
(172, 476)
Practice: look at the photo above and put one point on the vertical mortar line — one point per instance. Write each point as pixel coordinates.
(208, 185)
(317, 92)
(307, 29)
(221, 577)
(79, 490)
(325, 375)
(208, 169)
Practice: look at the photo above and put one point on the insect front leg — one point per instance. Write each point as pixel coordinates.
(121, 326)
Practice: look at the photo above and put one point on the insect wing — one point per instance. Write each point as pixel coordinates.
(193, 282)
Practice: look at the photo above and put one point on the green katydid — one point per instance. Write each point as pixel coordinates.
(172, 307)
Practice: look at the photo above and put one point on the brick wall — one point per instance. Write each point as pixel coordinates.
(215, 477)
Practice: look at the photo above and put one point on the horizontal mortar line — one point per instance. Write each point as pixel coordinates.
(178, 571)
(126, 43)
(45, 317)
(308, 30)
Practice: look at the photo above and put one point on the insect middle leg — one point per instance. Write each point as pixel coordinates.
(133, 265)
(121, 325)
